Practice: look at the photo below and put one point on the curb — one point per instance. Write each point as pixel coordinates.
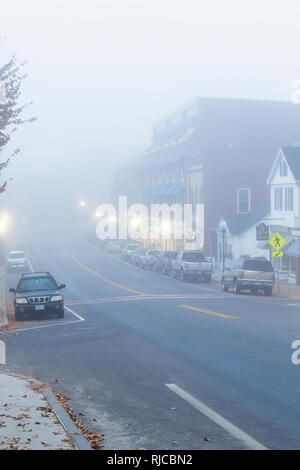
(80, 441)
(4, 323)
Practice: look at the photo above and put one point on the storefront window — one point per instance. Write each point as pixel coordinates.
(285, 264)
(293, 265)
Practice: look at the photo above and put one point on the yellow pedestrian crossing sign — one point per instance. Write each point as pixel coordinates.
(277, 241)
(277, 254)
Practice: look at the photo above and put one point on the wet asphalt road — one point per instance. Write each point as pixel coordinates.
(128, 334)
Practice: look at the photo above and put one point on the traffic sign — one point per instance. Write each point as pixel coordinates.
(277, 254)
(277, 241)
(262, 232)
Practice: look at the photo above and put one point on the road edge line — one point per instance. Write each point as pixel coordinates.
(74, 313)
(217, 418)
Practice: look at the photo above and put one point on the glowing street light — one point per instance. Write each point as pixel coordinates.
(3, 223)
(82, 204)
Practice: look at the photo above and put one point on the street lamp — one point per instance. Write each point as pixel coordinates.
(3, 223)
(223, 231)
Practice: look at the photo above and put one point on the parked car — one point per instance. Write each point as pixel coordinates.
(16, 260)
(147, 262)
(249, 274)
(113, 247)
(128, 251)
(163, 262)
(137, 256)
(192, 265)
(38, 293)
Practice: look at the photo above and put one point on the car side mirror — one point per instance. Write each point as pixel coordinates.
(12, 289)
(62, 286)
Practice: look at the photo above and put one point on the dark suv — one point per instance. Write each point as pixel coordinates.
(38, 293)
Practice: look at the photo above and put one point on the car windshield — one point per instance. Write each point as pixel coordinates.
(36, 283)
(171, 254)
(132, 247)
(20, 254)
(258, 265)
(193, 256)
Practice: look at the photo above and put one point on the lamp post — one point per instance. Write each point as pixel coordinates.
(223, 249)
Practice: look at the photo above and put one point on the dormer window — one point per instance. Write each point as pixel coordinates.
(283, 168)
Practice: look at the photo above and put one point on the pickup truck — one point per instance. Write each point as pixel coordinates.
(191, 265)
(249, 274)
(148, 259)
(129, 250)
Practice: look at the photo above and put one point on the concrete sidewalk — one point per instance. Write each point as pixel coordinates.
(286, 290)
(32, 419)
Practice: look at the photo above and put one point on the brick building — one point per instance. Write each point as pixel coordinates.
(212, 151)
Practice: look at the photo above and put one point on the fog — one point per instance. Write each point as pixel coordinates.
(100, 72)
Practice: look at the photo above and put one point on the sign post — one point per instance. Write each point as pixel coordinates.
(277, 241)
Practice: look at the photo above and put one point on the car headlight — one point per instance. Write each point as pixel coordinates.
(21, 301)
(56, 298)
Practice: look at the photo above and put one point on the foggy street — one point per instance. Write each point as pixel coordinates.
(129, 333)
(149, 228)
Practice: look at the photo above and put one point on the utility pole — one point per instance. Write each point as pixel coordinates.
(223, 250)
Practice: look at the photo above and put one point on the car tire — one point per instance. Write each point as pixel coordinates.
(224, 287)
(18, 316)
(268, 291)
(208, 278)
(253, 291)
(61, 314)
(236, 288)
(182, 276)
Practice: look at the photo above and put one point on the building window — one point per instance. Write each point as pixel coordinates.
(283, 168)
(293, 266)
(278, 199)
(182, 172)
(160, 176)
(173, 175)
(288, 199)
(243, 201)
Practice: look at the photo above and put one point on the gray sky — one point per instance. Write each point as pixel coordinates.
(101, 71)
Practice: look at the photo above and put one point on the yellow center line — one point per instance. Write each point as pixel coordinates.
(99, 276)
(208, 312)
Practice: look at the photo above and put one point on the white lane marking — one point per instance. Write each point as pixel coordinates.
(2, 353)
(74, 313)
(218, 419)
(20, 330)
(30, 265)
(135, 299)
